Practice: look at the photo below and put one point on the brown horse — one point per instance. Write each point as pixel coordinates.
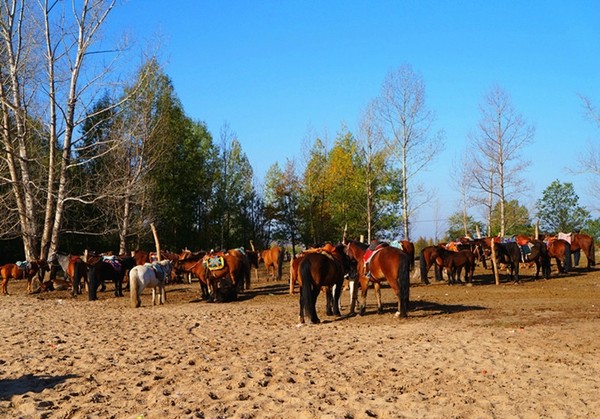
(253, 258)
(192, 266)
(320, 269)
(409, 249)
(586, 243)
(28, 270)
(225, 274)
(386, 264)
(560, 250)
(273, 259)
(454, 262)
(426, 261)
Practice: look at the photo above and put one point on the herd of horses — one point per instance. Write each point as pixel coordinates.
(224, 274)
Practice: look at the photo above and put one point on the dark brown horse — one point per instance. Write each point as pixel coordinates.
(539, 255)
(104, 268)
(426, 261)
(387, 264)
(455, 262)
(560, 250)
(273, 260)
(583, 242)
(509, 254)
(25, 270)
(321, 269)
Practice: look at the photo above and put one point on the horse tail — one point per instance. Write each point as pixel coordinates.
(567, 262)
(134, 287)
(404, 286)
(76, 279)
(306, 293)
(592, 252)
(280, 265)
(423, 267)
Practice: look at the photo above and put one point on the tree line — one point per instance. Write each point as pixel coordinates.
(90, 163)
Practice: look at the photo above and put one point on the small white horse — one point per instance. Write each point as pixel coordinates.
(153, 275)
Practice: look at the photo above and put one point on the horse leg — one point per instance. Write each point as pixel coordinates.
(364, 287)
(377, 290)
(314, 318)
(337, 292)
(329, 301)
(353, 289)
(576, 256)
(301, 306)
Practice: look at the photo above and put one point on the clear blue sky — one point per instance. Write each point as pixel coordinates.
(280, 71)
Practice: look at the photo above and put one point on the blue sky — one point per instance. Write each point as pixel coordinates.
(281, 72)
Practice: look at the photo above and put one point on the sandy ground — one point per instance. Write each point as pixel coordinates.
(485, 351)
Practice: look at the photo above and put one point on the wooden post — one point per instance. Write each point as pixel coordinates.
(156, 242)
(494, 264)
(252, 246)
(537, 230)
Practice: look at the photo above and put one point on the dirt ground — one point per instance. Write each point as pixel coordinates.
(480, 350)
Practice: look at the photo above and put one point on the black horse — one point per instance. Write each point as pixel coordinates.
(113, 269)
(509, 254)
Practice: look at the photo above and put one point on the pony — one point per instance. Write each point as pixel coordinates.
(23, 270)
(102, 268)
(426, 261)
(560, 250)
(386, 264)
(149, 275)
(510, 255)
(74, 268)
(273, 260)
(454, 262)
(318, 269)
(586, 243)
(539, 255)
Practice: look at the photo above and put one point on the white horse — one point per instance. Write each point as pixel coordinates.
(153, 275)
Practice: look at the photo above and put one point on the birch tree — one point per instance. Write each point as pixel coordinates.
(497, 148)
(58, 38)
(407, 127)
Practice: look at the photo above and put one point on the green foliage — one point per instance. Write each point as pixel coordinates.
(516, 219)
(456, 226)
(559, 210)
(592, 227)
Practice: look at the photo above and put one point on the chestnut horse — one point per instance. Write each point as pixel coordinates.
(226, 280)
(586, 243)
(28, 270)
(319, 269)
(273, 259)
(387, 264)
(560, 250)
(192, 265)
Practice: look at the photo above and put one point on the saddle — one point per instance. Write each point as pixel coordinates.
(214, 262)
(396, 243)
(112, 261)
(159, 270)
(565, 236)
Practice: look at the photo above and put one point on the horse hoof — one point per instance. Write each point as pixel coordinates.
(362, 311)
(315, 321)
(379, 311)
